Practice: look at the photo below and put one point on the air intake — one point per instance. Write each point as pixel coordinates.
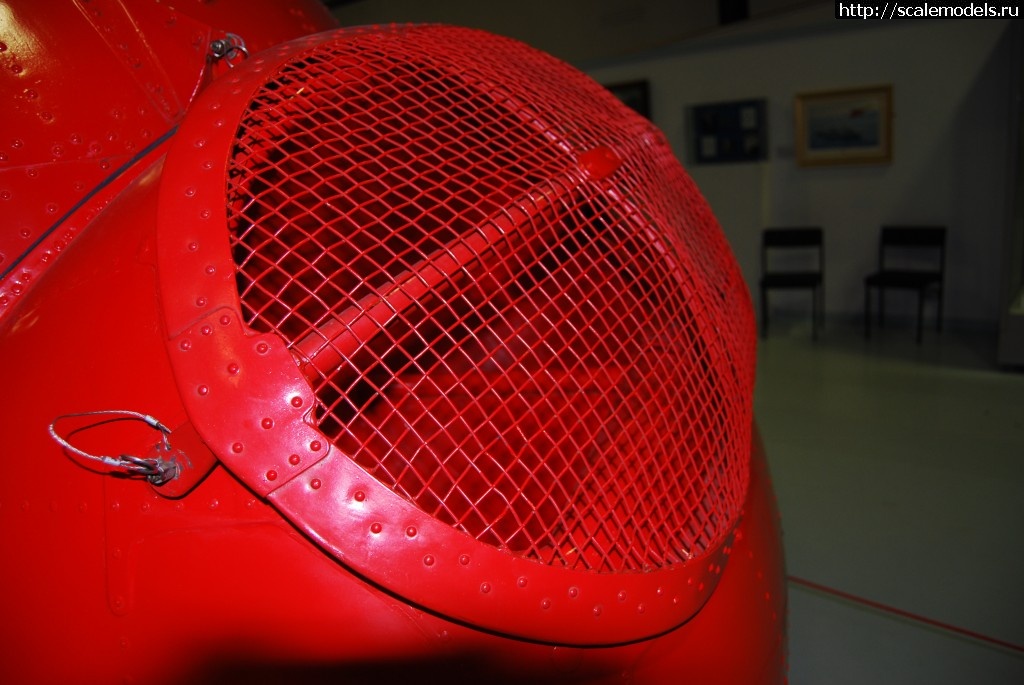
(487, 341)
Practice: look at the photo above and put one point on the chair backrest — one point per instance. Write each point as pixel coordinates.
(913, 248)
(806, 238)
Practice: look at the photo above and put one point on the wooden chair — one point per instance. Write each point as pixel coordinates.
(909, 258)
(801, 268)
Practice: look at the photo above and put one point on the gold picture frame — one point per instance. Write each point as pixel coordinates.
(852, 126)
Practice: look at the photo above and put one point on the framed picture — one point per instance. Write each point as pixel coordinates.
(844, 126)
(636, 94)
(730, 131)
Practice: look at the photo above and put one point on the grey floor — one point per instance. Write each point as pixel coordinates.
(899, 471)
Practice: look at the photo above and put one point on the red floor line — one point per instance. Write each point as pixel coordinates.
(905, 614)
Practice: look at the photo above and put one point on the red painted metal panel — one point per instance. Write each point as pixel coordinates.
(462, 379)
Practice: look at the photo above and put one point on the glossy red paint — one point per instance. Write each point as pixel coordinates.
(287, 551)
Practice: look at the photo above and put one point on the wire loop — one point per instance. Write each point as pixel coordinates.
(153, 469)
(231, 48)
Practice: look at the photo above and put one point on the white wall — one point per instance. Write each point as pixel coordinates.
(951, 88)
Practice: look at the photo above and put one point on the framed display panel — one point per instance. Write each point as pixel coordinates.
(636, 94)
(730, 131)
(844, 126)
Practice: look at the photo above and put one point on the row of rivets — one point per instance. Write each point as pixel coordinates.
(573, 592)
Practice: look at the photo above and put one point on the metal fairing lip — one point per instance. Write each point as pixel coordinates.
(251, 404)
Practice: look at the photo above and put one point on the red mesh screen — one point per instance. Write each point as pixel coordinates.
(513, 306)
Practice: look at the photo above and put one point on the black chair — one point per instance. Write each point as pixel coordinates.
(909, 258)
(802, 267)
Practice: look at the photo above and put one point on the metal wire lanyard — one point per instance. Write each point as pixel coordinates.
(156, 470)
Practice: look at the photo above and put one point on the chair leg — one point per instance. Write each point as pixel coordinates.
(814, 313)
(920, 315)
(821, 307)
(867, 312)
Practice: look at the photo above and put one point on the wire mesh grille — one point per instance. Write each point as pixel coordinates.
(555, 363)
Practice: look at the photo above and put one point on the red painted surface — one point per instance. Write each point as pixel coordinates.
(458, 382)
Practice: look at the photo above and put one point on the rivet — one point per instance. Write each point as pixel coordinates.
(185, 344)
(597, 610)
(206, 330)
(237, 447)
(315, 483)
(315, 446)
(193, 246)
(359, 496)
(190, 192)
(203, 390)
(545, 603)
(204, 214)
(294, 460)
(485, 588)
(267, 423)
(428, 560)
(296, 402)
(660, 591)
(410, 531)
(376, 528)
(225, 320)
(214, 503)
(521, 581)
(640, 608)
(262, 348)
(200, 301)
(271, 475)
(622, 595)
(574, 592)
(234, 368)
(464, 559)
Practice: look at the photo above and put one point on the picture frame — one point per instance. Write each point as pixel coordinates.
(735, 131)
(635, 94)
(851, 126)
